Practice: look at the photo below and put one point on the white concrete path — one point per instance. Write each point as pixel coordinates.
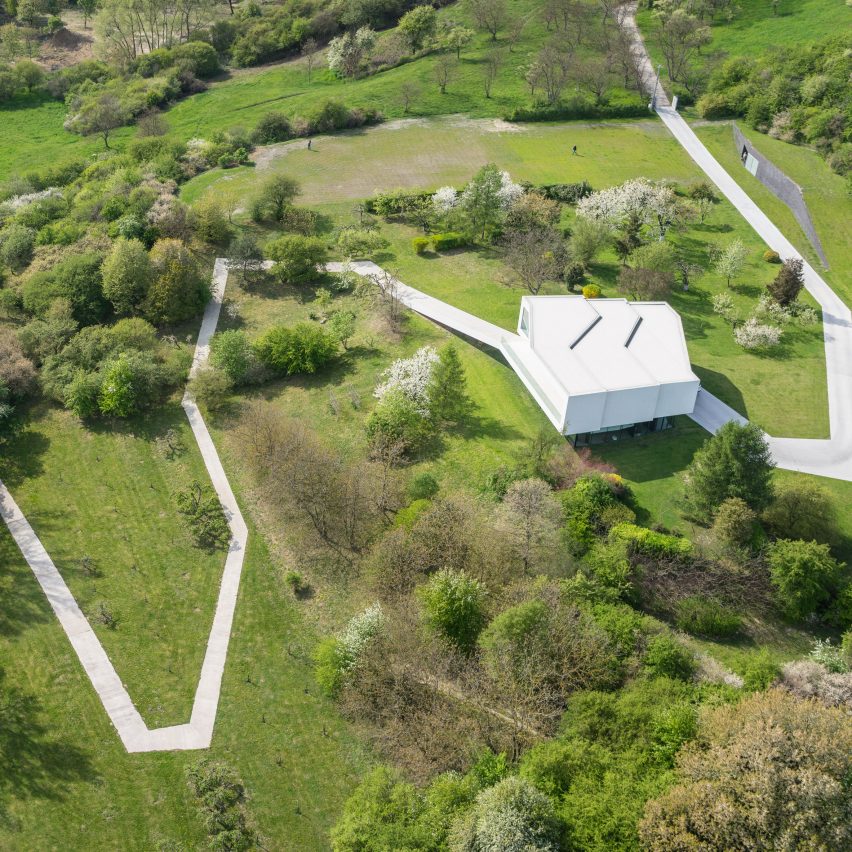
(831, 457)
(134, 733)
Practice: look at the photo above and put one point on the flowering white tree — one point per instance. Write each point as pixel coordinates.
(731, 260)
(411, 378)
(509, 191)
(346, 53)
(445, 199)
(358, 634)
(18, 202)
(723, 305)
(649, 203)
(753, 334)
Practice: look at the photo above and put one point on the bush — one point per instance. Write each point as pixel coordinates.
(420, 244)
(396, 422)
(329, 665)
(771, 256)
(578, 110)
(804, 574)
(651, 543)
(705, 616)
(734, 525)
(232, 353)
(297, 258)
(360, 242)
(211, 388)
(666, 657)
(454, 606)
(304, 348)
(16, 245)
(761, 671)
(424, 486)
(295, 581)
(566, 193)
(272, 127)
(591, 291)
(201, 507)
(448, 241)
(180, 289)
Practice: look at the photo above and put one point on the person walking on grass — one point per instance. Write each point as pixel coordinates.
(574, 151)
(310, 142)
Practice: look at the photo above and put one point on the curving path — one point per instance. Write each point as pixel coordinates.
(134, 733)
(830, 457)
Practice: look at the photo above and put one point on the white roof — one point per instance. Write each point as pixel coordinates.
(594, 345)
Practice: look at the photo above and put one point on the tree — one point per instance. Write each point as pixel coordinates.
(304, 348)
(803, 510)
(99, 115)
(588, 238)
(17, 372)
(231, 352)
(209, 221)
(447, 389)
(489, 15)
(118, 392)
(804, 575)
(769, 772)
(348, 52)
(645, 284)
(309, 51)
(680, 36)
(456, 38)
(480, 201)
(454, 606)
(246, 256)
(341, 324)
(511, 815)
(276, 196)
(88, 8)
(205, 515)
(536, 255)
(735, 462)
(445, 69)
(490, 69)
(408, 91)
(418, 26)
(127, 274)
(634, 203)
(788, 283)
(297, 259)
(529, 515)
(731, 261)
(179, 289)
(666, 657)
(734, 523)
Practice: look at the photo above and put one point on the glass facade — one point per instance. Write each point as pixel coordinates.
(617, 433)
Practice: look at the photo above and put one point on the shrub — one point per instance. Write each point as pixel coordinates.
(804, 574)
(211, 388)
(232, 353)
(420, 244)
(297, 258)
(180, 289)
(761, 671)
(702, 190)
(734, 522)
(771, 256)
(454, 606)
(360, 242)
(16, 245)
(201, 507)
(396, 422)
(424, 486)
(295, 581)
(651, 543)
(829, 656)
(448, 241)
(272, 127)
(221, 797)
(706, 617)
(566, 193)
(666, 657)
(329, 665)
(304, 348)
(591, 291)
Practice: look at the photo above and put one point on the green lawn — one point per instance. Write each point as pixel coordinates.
(449, 150)
(68, 783)
(825, 192)
(754, 29)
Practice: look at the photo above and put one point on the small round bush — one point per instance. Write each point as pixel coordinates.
(705, 616)
(761, 672)
(420, 244)
(591, 291)
(666, 657)
(771, 256)
(424, 486)
(295, 581)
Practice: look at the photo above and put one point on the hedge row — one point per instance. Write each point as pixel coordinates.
(578, 110)
(651, 543)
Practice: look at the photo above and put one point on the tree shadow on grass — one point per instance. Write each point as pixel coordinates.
(21, 457)
(22, 603)
(34, 764)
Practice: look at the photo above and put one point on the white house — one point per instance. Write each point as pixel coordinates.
(603, 365)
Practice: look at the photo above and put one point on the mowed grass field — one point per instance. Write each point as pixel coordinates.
(420, 153)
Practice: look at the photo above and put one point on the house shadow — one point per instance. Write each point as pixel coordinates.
(722, 387)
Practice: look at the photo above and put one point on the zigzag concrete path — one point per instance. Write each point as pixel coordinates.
(134, 733)
(831, 457)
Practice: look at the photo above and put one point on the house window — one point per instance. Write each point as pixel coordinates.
(525, 322)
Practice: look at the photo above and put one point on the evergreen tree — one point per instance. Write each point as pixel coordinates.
(448, 399)
(735, 462)
(788, 282)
